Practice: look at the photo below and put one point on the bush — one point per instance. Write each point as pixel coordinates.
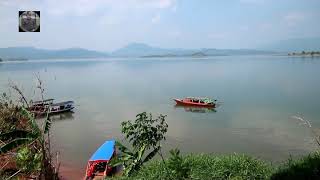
(305, 168)
(206, 166)
(178, 167)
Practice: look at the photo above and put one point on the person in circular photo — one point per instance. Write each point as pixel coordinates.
(29, 21)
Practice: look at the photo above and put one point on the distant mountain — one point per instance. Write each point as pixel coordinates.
(228, 52)
(140, 49)
(295, 45)
(131, 50)
(12, 53)
(144, 50)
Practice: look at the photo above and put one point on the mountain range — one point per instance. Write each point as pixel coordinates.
(22, 53)
(144, 50)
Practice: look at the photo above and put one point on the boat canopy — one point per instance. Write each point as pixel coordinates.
(42, 101)
(105, 151)
(62, 103)
(205, 99)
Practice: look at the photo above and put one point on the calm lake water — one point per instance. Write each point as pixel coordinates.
(258, 96)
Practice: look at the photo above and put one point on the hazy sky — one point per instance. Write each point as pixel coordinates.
(109, 24)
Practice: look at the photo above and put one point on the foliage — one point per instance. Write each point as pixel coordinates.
(16, 138)
(145, 131)
(22, 134)
(145, 134)
(179, 167)
(305, 168)
(28, 160)
(208, 166)
(304, 53)
(10, 115)
(131, 160)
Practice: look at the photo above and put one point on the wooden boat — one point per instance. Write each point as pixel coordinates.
(40, 108)
(97, 167)
(196, 101)
(61, 107)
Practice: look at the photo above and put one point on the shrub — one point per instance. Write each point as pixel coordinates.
(207, 166)
(145, 133)
(28, 161)
(177, 166)
(305, 168)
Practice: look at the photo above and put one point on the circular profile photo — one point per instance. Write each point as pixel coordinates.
(29, 21)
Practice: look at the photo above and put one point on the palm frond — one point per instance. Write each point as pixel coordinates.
(14, 144)
(151, 154)
(32, 122)
(47, 125)
(116, 161)
(123, 148)
(15, 134)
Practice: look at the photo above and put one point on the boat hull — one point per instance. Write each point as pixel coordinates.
(61, 111)
(182, 102)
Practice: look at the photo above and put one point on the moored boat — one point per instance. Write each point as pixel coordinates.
(40, 108)
(61, 107)
(97, 166)
(196, 101)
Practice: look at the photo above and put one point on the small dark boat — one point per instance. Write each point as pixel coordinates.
(194, 101)
(97, 166)
(61, 107)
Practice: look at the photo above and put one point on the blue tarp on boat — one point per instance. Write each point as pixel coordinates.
(104, 152)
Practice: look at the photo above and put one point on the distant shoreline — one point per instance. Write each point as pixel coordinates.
(305, 54)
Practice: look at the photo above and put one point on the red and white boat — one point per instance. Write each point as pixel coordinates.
(196, 101)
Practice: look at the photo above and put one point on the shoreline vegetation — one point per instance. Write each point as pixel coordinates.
(25, 152)
(305, 53)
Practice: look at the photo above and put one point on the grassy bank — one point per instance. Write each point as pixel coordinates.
(203, 166)
(232, 167)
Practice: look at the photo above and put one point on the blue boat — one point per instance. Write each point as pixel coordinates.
(98, 163)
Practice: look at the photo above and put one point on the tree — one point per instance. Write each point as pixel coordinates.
(145, 133)
(312, 53)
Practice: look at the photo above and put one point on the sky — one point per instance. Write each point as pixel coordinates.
(106, 25)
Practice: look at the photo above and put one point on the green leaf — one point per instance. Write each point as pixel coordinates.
(15, 134)
(47, 125)
(115, 162)
(141, 152)
(32, 122)
(123, 148)
(151, 154)
(14, 144)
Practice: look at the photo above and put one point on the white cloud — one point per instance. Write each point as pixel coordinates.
(265, 27)
(87, 7)
(156, 18)
(294, 18)
(252, 1)
(244, 28)
(174, 34)
(217, 35)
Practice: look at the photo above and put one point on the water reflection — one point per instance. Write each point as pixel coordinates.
(196, 109)
(62, 116)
